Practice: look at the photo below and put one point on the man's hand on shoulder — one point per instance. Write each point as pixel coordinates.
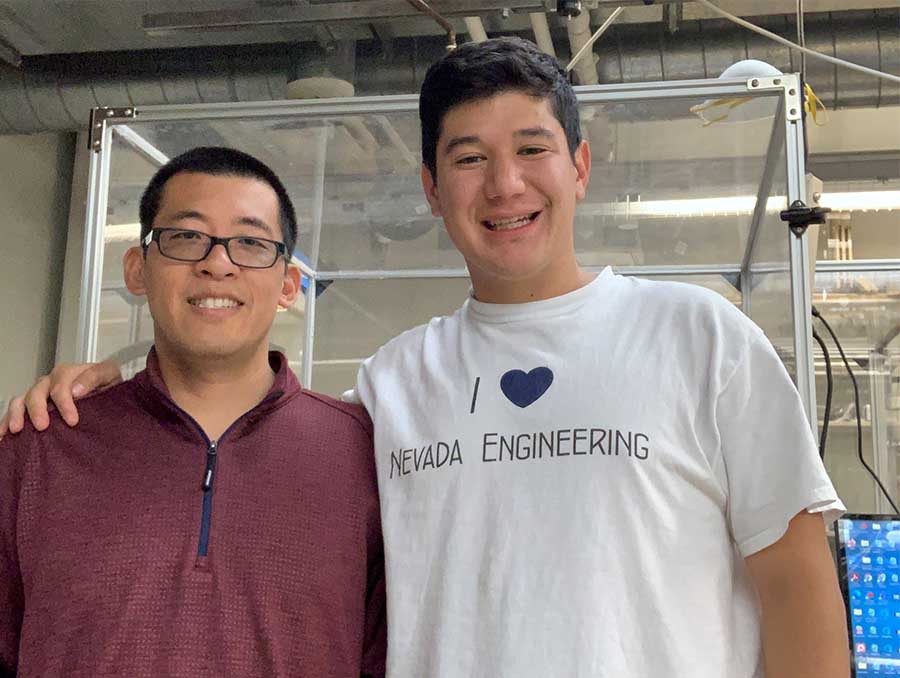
(63, 386)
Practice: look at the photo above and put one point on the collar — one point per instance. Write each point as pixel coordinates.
(158, 400)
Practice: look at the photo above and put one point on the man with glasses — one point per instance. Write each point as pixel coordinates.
(209, 517)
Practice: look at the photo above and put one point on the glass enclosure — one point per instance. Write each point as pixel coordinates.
(861, 301)
(670, 197)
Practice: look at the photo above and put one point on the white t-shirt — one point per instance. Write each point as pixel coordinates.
(568, 486)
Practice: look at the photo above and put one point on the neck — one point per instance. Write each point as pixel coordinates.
(215, 392)
(545, 285)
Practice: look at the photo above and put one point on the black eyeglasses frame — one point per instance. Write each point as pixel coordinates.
(155, 234)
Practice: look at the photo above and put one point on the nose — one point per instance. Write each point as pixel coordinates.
(504, 178)
(217, 264)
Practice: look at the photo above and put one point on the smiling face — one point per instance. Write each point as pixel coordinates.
(213, 309)
(507, 188)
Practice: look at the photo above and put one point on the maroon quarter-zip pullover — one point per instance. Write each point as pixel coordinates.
(131, 545)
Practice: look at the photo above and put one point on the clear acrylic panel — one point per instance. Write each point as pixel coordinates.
(769, 294)
(864, 219)
(125, 328)
(354, 181)
(667, 190)
(863, 309)
(355, 317)
(664, 190)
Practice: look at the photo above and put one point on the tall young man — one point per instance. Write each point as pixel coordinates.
(583, 476)
(209, 517)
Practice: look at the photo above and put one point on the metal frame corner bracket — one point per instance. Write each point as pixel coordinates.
(789, 84)
(98, 119)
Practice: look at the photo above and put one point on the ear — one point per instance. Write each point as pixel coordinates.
(133, 265)
(290, 286)
(429, 184)
(582, 169)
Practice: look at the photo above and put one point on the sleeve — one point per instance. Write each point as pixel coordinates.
(771, 459)
(374, 655)
(11, 592)
(362, 392)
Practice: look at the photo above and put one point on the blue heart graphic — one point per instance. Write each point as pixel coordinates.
(523, 389)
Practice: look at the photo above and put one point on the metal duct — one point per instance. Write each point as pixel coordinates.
(703, 49)
(55, 93)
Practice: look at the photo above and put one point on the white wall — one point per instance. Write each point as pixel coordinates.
(35, 186)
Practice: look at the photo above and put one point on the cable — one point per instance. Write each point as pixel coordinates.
(423, 7)
(859, 451)
(829, 390)
(792, 45)
(600, 31)
(801, 36)
(801, 39)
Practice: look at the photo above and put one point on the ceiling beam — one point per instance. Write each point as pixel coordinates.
(9, 54)
(359, 11)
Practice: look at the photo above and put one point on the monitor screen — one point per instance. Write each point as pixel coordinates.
(868, 550)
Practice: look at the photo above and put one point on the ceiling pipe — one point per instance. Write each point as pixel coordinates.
(56, 93)
(542, 35)
(579, 30)
(475, 29)
(425, 8)
(588, 46)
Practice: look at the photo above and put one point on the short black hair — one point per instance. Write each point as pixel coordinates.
(218, 161)
(485, 69)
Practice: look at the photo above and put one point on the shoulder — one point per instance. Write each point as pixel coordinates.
(407, 347)
(122, 396)
(688, 307)
(337, 411)
(98, 409)
(98, 412)
(681, 294)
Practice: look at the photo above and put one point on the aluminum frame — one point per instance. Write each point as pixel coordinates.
(879, 378)
(92, 261)
(319, 109)
(801, 292)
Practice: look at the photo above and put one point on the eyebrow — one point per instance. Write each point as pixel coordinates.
(256, 223)
(245, 221)
(529, 132)
(461, 141)
(534, 132)
(187, 214)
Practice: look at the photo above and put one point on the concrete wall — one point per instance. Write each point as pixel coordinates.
(35, 188)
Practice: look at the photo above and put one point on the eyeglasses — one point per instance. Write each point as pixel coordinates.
(243, 250)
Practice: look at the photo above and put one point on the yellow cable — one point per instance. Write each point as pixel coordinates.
(812, 104)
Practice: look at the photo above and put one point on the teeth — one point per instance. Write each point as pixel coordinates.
(214, 302)
(508, 224)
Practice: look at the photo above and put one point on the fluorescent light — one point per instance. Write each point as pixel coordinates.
(862, 200)
(691, 207)
(745, 204)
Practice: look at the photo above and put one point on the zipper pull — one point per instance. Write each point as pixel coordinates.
(210, 467)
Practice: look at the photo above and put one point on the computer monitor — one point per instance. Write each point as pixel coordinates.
(868, 550)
